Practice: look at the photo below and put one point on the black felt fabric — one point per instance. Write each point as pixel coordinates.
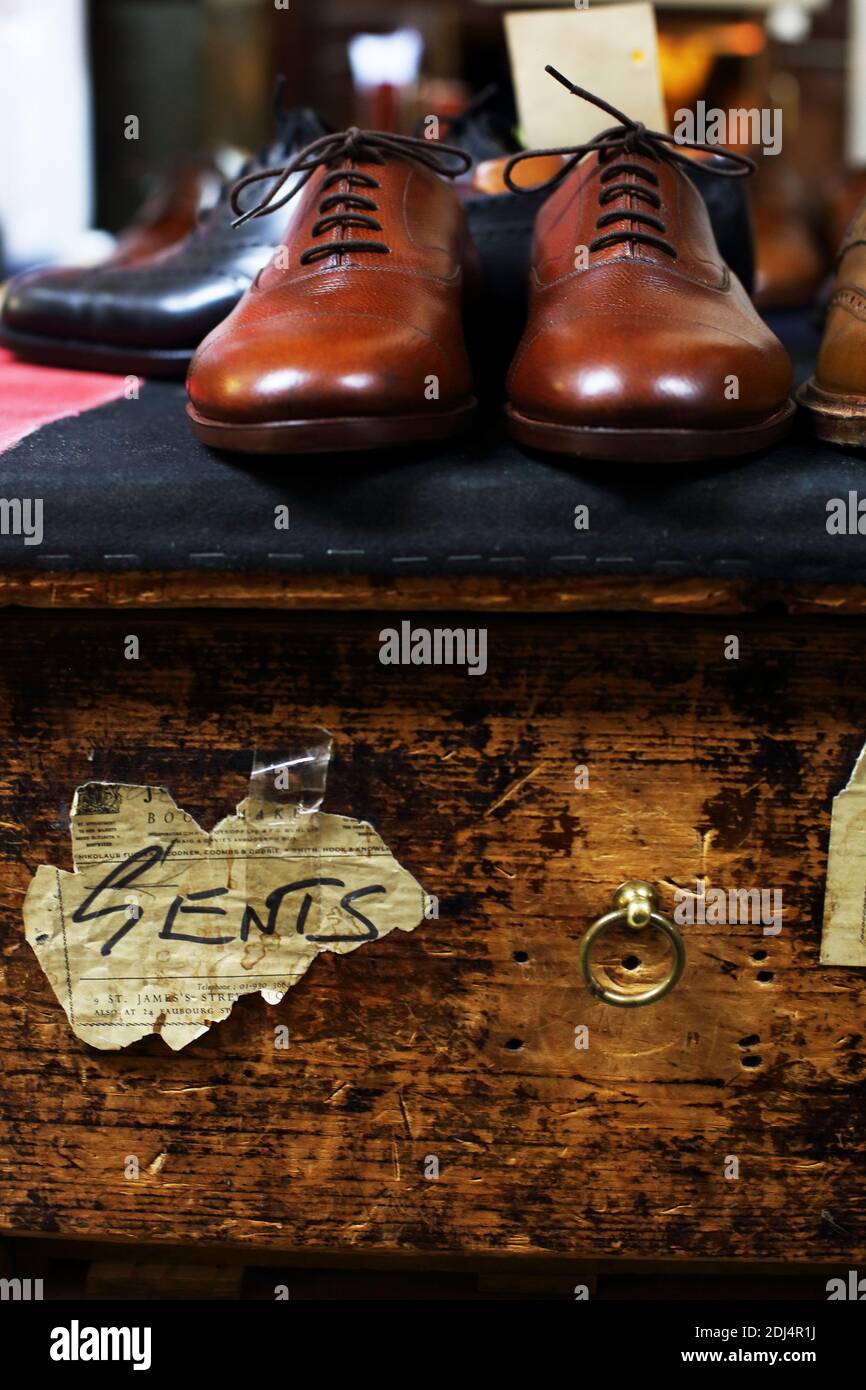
(127, 487)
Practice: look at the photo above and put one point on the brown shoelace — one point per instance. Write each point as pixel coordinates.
(347, 207)
(614, 146)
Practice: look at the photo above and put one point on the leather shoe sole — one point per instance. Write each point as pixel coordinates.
(648, 446)
(96, 357)
(840, 419)
(330, 436)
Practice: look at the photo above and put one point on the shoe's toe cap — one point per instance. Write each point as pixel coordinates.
(49, 302)
(323, 366)
(151, 306)
(618, 372)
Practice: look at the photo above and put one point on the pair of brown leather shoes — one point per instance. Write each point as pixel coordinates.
(640, 343)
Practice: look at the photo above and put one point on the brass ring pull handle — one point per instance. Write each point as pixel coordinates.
(635, 903)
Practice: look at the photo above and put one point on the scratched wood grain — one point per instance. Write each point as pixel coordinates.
(458, 1041)
(503, 593)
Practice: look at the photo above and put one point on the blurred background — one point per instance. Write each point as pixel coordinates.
(197, 76)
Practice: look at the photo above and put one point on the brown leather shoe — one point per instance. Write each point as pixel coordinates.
(836, 395)
(352, 336)
(641, 344)
(172, 212)
(790, 263)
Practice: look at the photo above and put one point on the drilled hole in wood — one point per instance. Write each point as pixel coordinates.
(765, 976)
(752, 1061)
(514, 1044)
(751, 1041)
(521, 957)
(759, 955)
(616, 964)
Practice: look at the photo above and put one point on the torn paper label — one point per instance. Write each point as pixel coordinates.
(843, 941)
(162, 927)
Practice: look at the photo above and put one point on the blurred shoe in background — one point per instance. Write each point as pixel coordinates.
(170, 213)
(149, 316)
(790, 265)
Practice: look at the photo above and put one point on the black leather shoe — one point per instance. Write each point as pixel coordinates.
(150, 317)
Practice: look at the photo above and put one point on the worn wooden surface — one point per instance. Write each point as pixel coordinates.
(458, 1040)
(496, 593)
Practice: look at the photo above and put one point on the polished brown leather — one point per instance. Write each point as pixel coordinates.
(836, 395)
(841, 366)
(355, 333)
(640, 339)
(489, 176)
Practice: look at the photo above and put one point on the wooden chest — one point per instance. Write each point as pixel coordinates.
(459, 1041)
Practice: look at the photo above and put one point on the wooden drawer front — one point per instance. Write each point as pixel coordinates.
(458, 1041)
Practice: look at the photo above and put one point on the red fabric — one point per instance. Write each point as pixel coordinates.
(34, 396)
